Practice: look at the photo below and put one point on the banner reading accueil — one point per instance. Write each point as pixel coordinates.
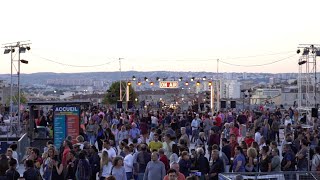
(66, 123)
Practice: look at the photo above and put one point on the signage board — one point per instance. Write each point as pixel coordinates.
(59, 130)
(169, 84)
(66, 123)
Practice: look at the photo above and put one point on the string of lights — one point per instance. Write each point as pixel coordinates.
(222, 61)
(257, 65)
(227, 58)
(73, 65)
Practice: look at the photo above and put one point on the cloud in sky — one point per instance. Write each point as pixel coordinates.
(177, 35)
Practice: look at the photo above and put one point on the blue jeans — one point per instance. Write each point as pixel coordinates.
(129, 175)
(140, 176)
(92, 139)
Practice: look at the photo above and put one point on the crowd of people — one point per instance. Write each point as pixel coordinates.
(172, 145)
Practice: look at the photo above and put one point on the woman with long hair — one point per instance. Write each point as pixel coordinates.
(117, 169)
(100, 137)
(175, 154)
(251, 158)
(105, 165)
(239, 160)
(265, 160)
(109, 135)
(201, 141)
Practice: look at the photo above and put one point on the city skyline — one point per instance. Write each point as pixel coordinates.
(159, 36)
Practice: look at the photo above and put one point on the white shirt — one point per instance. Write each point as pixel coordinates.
(15, 156)
(128, 163)
(257, 137)
(154, 120)
(166, 148)
(195, 124)
(151, 136)
(111, 152)
(287, 121)
(106, 170)
(315, 162)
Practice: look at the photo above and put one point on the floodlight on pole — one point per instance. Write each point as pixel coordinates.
(10, 48)
(192, 79)
(24, 61)
(146, 79)
(317, 52)
(6, 51)
(133, 78)
(180, 79)
(302, 62)
(305, 51)
(204, 78)
(22, 50)
(158, 79)
(298, 51)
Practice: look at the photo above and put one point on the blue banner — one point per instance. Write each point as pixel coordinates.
(59, 130)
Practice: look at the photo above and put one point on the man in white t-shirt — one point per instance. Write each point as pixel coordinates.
(111, 152)
(154, 121)
(257, 135)
(128, 161)
(195, 124)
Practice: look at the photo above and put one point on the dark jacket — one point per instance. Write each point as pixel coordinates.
(227, 151)
(31, 174)
(217, 167)
(12, 174)
(94, 161)
(185, 167)
(143, 158)
(202, 164)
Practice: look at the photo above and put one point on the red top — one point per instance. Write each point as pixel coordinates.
(235, 131)
(64, 156)
(248, 141)
(165, 161)
(180, 177)
(218, 121)
(233, 146)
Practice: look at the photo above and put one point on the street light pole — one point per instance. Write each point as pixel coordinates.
(22, 46)
(19, 95)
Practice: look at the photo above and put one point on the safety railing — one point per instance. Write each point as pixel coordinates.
(23, 144)
(283, 175)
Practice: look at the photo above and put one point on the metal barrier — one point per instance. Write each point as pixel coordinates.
(284, 175)
(23, 143)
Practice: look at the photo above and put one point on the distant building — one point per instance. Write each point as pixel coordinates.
(70, 82)
(230, 89)
(244, 75)
(227, 76)
(5, 93)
